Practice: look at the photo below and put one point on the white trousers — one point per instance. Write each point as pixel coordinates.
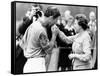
(35, 65)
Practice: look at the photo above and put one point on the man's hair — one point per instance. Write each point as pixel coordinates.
(52, 11)
(82, 21)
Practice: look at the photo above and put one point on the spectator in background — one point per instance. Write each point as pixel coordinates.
(32, 15)
(92, 31)
(69, 24)
(65, 49)
(67, 14)
(92, 26)
(92, 22)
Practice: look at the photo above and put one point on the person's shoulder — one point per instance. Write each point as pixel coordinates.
(36, 24)
(86, 35)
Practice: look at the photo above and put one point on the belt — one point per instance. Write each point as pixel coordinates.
(37, 57)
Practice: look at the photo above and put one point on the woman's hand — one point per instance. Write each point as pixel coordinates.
(71, 56)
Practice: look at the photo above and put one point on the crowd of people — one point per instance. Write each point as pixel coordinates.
(46, 41)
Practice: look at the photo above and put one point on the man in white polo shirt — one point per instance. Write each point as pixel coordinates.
(35, 42)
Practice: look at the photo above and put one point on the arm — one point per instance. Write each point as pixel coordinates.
(45, 43)
(67, 39)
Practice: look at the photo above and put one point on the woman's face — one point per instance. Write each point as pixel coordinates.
(70, 20)
(76, 26)
(63, 22)
(92, 16)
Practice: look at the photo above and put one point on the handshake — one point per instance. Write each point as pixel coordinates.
(55, 30)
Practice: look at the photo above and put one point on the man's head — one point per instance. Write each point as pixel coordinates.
(35, 8)
(51, 14)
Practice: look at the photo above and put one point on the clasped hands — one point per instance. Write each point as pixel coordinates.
(55, 30)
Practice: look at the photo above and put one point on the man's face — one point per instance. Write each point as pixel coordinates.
(52, 21)
(34, 9)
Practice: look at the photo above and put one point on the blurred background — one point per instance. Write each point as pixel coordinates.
(21, 9)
